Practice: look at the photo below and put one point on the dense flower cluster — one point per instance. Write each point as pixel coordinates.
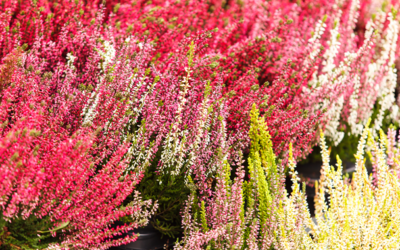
(61, 144)
(82, 110)
(294, 60)
(288, 58)
(359, 214)
(352, 82)
(240, 214)
(92, 93)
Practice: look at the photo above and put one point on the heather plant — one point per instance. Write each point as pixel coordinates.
(240, 214)
(105, 106)
(357, 213)
(171, 193)
(347, 148)
(52, 165)
(64, 139)
(280, 55)
(98, 94)
(283, 56)
(23, 233)
(183, 123)
(349, 107)
(360, 212)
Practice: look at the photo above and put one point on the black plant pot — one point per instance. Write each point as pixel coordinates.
(149, 239)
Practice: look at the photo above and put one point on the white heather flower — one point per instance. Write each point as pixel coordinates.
(70, 60)
(378, 85)
(173, 145)
(333, 115)
(356, 129)
(387, 59)
(394, 114)
(89, 112)
(333, 49)
(108, 54)
(363, 213)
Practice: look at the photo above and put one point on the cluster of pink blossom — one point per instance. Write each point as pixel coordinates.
(90, 91)
(305, 64)
(83, 113)
(61, 126)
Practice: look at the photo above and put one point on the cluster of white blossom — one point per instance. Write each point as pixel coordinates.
(386, 63)
(108, 56)
(174, 145)
(70, 60)
(314, 43)
(360, 215)
(341, 83)
(333, 115)
(352, 119)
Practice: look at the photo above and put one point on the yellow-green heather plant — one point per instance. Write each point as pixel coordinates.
(361, 213)
(263, 169)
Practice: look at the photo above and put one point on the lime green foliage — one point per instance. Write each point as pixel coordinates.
(23, 234)
(261, 143)
(262, 166)
(203, 217)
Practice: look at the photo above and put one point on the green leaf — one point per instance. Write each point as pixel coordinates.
(60, 226)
